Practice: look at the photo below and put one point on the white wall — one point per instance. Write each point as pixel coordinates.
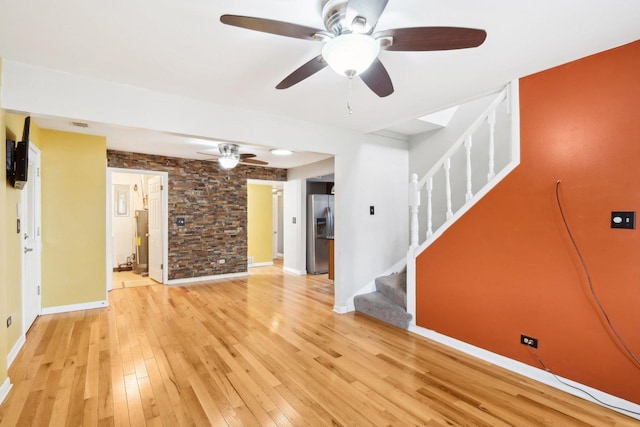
(367, 245)
(294, 231)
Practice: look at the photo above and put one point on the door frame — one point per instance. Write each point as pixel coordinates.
(37, 188)
(165, 220)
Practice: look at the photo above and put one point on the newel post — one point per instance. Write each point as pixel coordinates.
(414, 204)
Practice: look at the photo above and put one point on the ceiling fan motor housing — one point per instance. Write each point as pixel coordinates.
(334, 13)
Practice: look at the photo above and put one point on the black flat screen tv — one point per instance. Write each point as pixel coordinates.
(21, 158)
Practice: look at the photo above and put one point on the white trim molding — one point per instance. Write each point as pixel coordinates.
(205, 278)
(294, 271)
(260, 264)
(15, 350)
(341, 309)
(5, 388)
(75, 307)
(626, 407)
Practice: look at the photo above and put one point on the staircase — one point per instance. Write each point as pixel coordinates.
(389, 301)
(456, 182)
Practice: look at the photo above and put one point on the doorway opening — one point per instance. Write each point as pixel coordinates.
(265, 236)
(137, 227)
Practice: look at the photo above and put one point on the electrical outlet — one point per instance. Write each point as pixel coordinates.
(221, 261)
(531, 342)
(9, 321)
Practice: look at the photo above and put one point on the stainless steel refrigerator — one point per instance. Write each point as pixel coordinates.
(319, 232)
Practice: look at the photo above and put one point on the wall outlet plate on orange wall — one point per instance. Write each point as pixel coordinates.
(623, 219)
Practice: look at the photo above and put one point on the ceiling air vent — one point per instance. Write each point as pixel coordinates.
(80, 124)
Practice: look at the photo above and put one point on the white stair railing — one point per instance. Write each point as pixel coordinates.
(483, 127)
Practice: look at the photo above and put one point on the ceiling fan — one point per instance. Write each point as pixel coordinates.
(230, 156)
(351, 46)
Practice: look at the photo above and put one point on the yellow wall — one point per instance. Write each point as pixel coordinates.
(73, 218)
(259, 223)
(3, 251)
(73, 225)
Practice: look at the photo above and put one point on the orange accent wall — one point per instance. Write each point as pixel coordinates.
(508, 267)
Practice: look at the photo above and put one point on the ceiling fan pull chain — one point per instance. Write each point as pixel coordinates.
(349, 90)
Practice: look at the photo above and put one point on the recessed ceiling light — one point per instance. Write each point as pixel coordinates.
(281, 152)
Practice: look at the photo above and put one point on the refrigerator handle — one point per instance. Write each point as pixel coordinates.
(330, 218)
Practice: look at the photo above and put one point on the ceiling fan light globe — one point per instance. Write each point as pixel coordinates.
(229, 162)
(350, 54)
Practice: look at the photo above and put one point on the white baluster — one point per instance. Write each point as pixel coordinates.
(491, 119)
(468, 142)
(447, 171)
(429, 208)
(414, 203)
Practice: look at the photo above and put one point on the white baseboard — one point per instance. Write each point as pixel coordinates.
(294, 271)
(4, 389)
(15, 350)
(75, 307)
(205, 278)
(528, 371)
(341, 309)
(260, 264)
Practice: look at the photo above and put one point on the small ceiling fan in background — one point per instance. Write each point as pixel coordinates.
(230, 156)
(351, 46)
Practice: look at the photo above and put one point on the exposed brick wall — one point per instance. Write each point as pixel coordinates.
(213, 203)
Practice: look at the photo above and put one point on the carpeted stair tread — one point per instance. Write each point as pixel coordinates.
(375, 304)
(394, 287)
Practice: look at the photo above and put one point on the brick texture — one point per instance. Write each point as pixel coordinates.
(213, 203)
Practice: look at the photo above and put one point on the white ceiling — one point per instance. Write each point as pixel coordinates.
(180, 47)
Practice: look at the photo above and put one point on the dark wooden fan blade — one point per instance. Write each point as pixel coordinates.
(307, 70)
(270, 26)
(246, 156)
(254, 161)
(370, 10)
(377, 78)
(206, 154)
(433, 38)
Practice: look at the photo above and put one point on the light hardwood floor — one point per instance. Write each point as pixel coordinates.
(261, 351)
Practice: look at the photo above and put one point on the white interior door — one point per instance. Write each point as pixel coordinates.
(155, 228)
(30, 230)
